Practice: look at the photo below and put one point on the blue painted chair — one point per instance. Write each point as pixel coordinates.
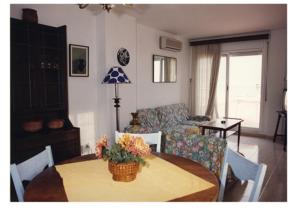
(28, 169)
(149, 138)
(243, 169)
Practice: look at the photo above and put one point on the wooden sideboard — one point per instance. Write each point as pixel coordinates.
(64, 143)
(39, 91)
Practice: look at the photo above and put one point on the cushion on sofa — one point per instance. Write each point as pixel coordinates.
(191, 122)
(199, 118)
(149, 118)
(172, 115)
(166, 116)
(183, 129)
(182, 112)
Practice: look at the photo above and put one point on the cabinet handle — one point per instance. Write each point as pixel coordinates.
(42, 65)
(55, 66)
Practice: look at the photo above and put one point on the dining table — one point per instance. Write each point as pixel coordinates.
(50, 186)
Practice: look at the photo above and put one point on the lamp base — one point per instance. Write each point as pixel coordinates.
(117, 105)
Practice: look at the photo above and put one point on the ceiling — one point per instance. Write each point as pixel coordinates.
(206, 20)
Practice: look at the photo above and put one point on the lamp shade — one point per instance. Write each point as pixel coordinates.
(115, 75)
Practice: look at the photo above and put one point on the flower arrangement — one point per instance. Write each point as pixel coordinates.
(127, 149)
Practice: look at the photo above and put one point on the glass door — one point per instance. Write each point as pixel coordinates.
(239, 88)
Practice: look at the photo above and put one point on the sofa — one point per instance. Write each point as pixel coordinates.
(181, 134)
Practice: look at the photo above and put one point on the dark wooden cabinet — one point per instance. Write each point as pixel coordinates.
(39, 91)
(64, 144)
(38, 68)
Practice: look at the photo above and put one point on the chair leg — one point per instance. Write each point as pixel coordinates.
(275, 134)
(285, 137)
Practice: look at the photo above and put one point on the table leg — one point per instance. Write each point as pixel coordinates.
(275, 134)
(203, 131)
(239, 135)
(224, 134)
(285, 138)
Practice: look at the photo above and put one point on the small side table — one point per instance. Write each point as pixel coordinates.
(281, 114)
(224, 128)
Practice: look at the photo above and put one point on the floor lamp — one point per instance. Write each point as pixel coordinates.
(116, 76)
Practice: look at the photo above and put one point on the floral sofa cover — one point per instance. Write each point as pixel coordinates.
(181, 134)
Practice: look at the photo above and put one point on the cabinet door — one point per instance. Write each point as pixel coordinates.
(20, 69)
(35, 64)
(38, 69)
(52, 73)
(25, 64)
(20, 78)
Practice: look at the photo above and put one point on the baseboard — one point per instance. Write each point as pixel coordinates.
(257, 135)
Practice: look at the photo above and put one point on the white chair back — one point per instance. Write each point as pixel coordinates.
(28, 169)
(243, 169)
(150, 138)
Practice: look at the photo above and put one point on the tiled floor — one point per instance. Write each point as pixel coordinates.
(262, 151)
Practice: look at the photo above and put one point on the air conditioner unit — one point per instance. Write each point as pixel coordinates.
(167, 43)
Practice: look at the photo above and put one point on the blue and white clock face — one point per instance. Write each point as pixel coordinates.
(123, 56)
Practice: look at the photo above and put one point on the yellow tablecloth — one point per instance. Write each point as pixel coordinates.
(160, 181)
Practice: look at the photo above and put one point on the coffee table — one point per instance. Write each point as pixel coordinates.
(229, 124)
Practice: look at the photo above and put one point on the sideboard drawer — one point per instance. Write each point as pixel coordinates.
(65, 144)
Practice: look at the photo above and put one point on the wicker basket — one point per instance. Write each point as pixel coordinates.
(56, 124)
(32, 126)
(123, 172)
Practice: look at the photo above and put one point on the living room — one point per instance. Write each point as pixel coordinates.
(105, 33)
(137, 29)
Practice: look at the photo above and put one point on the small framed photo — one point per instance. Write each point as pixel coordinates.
(78, 60)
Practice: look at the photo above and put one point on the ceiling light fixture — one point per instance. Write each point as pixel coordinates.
(106, 7)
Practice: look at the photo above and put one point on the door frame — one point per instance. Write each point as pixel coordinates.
(248, 51)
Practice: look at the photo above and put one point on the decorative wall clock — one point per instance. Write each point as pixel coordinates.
(123, 57)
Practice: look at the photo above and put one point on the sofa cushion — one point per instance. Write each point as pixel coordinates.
(182, 129)
(149, 118)
(171, 115)
(191, 122)
(181, 112)
(166, 117)
(199, 118)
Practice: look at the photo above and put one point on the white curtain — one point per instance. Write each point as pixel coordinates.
(205, 70)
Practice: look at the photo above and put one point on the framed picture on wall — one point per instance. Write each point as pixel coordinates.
(78, 60)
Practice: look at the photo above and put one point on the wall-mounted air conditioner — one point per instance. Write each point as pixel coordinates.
(167, 43)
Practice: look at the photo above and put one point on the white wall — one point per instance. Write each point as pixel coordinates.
(90, 102)
(277, 70)
(151, 94)
(103, 102)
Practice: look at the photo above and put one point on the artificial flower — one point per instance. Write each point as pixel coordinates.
(101, 144)
(128, 148)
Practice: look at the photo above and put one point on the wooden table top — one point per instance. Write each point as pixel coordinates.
(216, 124)
(48, 185)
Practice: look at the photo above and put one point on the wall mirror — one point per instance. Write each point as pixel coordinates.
(164, 69)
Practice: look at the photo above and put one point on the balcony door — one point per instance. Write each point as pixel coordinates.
(240, 88)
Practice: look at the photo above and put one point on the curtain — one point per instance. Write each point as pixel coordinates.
(205, 70)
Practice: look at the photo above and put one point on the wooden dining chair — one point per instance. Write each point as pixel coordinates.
(149, 138)
(28, 169)
(243, 169)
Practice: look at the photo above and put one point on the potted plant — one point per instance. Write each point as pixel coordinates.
(124, 157)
